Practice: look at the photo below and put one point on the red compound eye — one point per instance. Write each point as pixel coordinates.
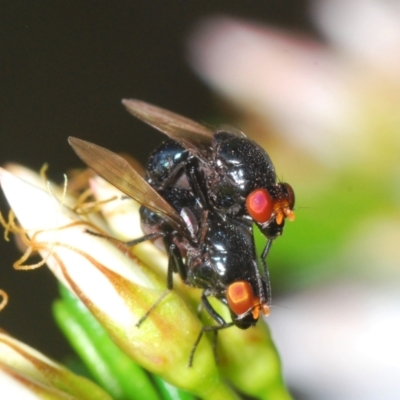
(240, 297)
(259, 205)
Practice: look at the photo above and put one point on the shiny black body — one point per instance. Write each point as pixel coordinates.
(238, 166)
(220, 249)
(219, 181)
(233, 167)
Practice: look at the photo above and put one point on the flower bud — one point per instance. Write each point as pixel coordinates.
(27, 374)
(118, 289)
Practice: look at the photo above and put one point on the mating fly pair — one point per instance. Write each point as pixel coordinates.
(202, 193)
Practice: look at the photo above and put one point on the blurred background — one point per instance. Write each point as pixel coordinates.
(317, 83)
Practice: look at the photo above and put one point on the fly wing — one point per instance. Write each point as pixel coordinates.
(116, 170)
(194, 137)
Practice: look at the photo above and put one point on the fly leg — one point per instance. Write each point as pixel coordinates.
(197, 183)
(175, 264)
(130, 243)
(214, 328)
(172, 177)
(265, 252)
(265, 275)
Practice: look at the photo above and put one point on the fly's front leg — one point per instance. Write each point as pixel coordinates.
(215, 328)
(172, 177)
(265, 275)
(264, 254)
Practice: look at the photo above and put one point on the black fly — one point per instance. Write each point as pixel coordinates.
(239, 177)
(201, 195)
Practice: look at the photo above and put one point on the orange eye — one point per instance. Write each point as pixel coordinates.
(240, 297)
(259, 205)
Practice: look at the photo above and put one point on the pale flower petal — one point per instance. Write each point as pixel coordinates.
(15, 389)
(293, 82)
(123, 218)
(339, 101)
(27, 374)
(367, 30)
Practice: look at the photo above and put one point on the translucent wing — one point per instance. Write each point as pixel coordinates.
(120, 174)
(193, 136)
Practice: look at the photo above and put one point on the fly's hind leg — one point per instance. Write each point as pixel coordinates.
(175, 264)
